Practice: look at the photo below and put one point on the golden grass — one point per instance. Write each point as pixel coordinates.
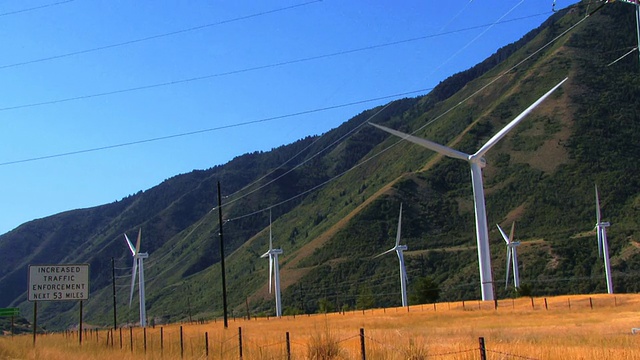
(568, 327)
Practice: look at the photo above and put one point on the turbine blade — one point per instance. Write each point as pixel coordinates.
(513, 227)
(133, 250)
(133, 279)
(399, 226)
(444, 150)
(138, 242)
(270, 237)
(385, 253)
(599, 231)
(504, 236)
(497, 137)
(506, 283)
(598, 214)
(270, 272)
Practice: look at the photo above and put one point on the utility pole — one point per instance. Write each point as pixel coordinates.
(224, 282)
(113, 284)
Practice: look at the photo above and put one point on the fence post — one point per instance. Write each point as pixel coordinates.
(120, 338)
(569, 301)
(131, 338)
(288, 347)
(590, 302)
(362, 348)
(181, 344)
(206, 344)
(483, 352)
(144, 330)
(161, 340)
(532, 306)
(240, 341)
(546, 307)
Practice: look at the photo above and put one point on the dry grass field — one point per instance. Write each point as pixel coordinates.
(567, 327)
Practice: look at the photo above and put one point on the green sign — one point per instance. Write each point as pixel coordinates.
(5, 312)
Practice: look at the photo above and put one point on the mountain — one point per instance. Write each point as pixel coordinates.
(335, 198)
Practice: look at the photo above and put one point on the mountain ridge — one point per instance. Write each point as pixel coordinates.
(538, 176)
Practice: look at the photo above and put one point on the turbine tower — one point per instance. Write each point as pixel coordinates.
(138, 262)
(603, 245)
(512, 255)
(477, 162)
(403, 272)
(274, 270)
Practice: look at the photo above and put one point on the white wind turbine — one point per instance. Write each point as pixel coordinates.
(274, 270)
(477, 162)
(403, 272)
(512, 255)
(138, 259)
(603, 244)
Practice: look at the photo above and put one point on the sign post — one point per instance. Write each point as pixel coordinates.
(12, 312)
(58, 283)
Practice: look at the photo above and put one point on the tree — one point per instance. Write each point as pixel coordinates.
(325, 306)
(524, 290)
(365, 298)
(425, 291)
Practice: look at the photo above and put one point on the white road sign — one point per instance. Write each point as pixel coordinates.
(58, 282)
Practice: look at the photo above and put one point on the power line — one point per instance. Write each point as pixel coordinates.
(190, 133)
(152, 37)
(363, 162)
(35, 8)
(251, 69)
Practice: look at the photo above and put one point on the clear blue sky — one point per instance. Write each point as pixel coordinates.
(247, 61)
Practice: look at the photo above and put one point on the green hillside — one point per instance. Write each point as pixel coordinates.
(335, 198)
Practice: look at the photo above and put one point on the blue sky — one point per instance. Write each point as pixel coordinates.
(83, 74)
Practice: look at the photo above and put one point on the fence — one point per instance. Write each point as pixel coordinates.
(144, 341)
(273, 341)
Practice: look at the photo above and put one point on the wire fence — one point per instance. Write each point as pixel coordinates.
(176, 343)
(207, 340)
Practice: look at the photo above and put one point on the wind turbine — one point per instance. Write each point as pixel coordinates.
(636, 3)
(274, 270)
(138, 262)
(603, 245)
(512, 255)
(403, 272)
(477, 162)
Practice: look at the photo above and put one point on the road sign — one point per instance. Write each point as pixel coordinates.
(58, 282)
(6, 312)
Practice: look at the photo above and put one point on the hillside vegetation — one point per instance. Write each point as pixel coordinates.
(335, 198)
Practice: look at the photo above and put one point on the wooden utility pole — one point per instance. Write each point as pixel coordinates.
(224, 283)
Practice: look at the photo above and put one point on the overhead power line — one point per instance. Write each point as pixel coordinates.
(255, 68)
(172, 136)
(35, 8)
(153, 37)
(399, 141)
